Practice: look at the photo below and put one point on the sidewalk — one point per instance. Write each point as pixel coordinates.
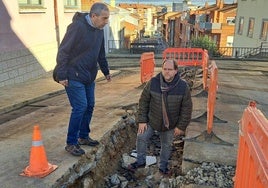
(21, 94)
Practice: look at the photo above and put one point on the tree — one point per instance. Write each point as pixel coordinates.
(206, 43)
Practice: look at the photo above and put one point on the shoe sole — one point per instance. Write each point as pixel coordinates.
(88, 144)
(74, 154)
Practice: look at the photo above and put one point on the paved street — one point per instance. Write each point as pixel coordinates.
(239, 82)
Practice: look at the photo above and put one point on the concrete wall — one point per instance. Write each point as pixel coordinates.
(250, 9)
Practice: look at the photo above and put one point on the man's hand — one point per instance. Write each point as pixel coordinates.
(108, 77)
(178, 132)
(64, 82)
(142, 128)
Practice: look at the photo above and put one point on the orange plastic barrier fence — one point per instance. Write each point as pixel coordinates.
(252, 161)
(147, 64)
(205, 70)
(213, 86)
(190, 57)
(208, 135)
(186, 56)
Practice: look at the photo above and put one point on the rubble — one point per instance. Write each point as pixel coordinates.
(207, 174)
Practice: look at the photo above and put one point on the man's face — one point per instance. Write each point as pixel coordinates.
(168, 70)
(101, 20)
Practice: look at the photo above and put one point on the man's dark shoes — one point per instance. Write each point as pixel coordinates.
(88, 141)
(74, 150)
(165, 172)
(134, 166)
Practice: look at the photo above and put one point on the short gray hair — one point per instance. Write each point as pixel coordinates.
(97, 8)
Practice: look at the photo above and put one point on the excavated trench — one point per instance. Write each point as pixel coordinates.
(107, 163)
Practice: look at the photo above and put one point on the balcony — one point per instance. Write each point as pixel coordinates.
(209, 26)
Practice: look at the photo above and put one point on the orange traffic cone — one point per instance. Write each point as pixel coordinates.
(39, 166)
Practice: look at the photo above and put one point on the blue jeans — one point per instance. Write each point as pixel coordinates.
(82, 100)
(166, 140)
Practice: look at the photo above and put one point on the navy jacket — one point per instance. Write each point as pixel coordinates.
(81, 38)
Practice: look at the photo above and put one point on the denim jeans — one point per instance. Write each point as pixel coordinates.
(82, 100)
(166, 140)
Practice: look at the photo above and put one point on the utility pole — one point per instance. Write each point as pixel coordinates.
(56, 22)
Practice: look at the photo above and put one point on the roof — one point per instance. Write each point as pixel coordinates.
(229, 8)
(173, 16)
(169, 14)
(215, 7)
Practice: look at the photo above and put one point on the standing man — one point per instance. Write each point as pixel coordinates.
(165, 106)
(80, 53)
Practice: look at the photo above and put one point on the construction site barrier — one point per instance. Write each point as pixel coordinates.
(186, 56)
(212, 91)
(205, 70)
(252, 160)
(147, 64)
(190, 57)
(208, 135)
(213, 87)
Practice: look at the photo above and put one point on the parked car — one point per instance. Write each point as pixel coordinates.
(140, 45)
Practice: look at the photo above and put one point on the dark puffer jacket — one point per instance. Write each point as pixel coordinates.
(179, 104)
(79, 38)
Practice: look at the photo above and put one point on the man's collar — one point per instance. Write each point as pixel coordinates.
(89, 21)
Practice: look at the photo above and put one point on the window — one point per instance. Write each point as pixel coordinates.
(230, 20)
(215, 39)
(240, 26)
(70, 4)
(230, 40)
(207, 18)
(251, 27)
(31, 6)
(30, 2)
(264, 30)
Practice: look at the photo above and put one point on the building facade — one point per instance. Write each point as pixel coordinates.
(31, 32)
(251, 24)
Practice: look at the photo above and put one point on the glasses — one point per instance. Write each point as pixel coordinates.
(165, 69)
